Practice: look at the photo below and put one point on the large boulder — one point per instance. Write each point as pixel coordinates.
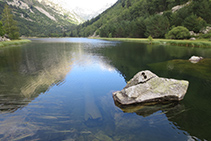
(146, 87)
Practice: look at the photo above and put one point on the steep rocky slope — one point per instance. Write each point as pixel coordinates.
(41, 17)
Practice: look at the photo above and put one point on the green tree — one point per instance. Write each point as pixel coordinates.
(178, 17)
(9, 24)
(194, 23)
(64, 34)
(123, 3)
(137, 28)
(110, 35)
(179, 32)
(128, 3)
(156, 26)
(2, 32)
(202, 8)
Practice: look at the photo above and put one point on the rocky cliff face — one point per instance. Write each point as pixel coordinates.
(46, 7)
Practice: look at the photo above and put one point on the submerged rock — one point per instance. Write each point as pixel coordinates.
(146, 110)
(195, 59)
(200, 70)
(147, 87)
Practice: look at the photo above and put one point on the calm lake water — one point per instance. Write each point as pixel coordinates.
(61, 89)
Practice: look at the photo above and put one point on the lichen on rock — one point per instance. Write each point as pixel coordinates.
(147, 87)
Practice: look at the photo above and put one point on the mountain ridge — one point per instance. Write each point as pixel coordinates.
(41, 17)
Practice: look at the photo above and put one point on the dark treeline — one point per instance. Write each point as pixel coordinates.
(142, 18)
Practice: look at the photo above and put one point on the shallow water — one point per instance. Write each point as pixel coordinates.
(61, 89)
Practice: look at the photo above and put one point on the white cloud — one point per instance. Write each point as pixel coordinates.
(87, 9)
(84, 4)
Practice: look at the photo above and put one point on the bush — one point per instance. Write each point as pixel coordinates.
(206, 36)
(150, 39)
(178, 32)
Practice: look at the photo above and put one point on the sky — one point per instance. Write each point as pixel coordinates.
(84, 4)
(86, 9)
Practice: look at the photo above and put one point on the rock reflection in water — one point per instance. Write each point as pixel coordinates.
(148, 109)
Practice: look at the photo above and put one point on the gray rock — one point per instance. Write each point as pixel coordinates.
(178, 7)
(206, 30)
(193, 33)
(146, 87)
(193, 38)
(4, 39)
(195, 59)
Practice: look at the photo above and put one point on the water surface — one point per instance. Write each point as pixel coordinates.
(61, 89)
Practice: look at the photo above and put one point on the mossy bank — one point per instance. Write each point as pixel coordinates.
(14, 42)
(188, 43)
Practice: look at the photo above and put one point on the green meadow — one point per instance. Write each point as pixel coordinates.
(13, 42)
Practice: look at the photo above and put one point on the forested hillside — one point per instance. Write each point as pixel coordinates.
(142, 18)
(40, 18)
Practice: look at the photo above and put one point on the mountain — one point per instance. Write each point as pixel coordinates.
(85, 9)
(89, 13)
(41, 17)
(142, 18)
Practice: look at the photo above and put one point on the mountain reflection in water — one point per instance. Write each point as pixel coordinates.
(25, 73)
(61, 89)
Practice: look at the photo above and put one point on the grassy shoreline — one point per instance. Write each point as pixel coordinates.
(14, 42)
(188, 43)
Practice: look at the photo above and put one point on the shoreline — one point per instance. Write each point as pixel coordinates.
(187, 43)
(14, 42)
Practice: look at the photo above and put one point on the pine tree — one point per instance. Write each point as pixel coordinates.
(123, 3)
(1, 29)
(9, 24)
(128, 3)
(156, 26)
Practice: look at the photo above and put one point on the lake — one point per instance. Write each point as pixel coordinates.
(61, 89)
